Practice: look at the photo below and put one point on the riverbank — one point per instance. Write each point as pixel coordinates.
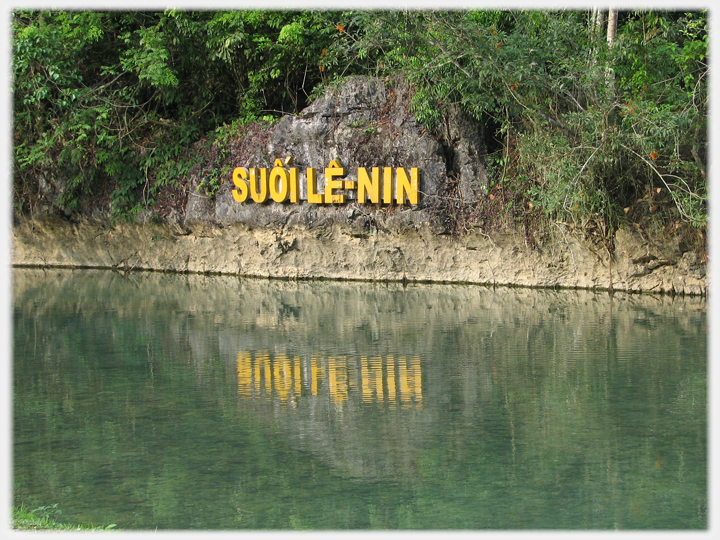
(41, 519)
(330, 250)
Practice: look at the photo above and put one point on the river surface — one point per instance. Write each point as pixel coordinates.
(197, 402)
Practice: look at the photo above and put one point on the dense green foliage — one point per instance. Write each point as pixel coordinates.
(119, 97)
(594, 126)
(585, 130)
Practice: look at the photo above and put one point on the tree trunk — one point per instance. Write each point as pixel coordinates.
(612, 27)
(596, 22)
(597, 19)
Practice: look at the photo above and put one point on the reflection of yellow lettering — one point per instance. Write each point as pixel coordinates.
(337, 380)
(333, 169)
(267, 373)
(369, 187)
(417, 379)
(407, 186)
(365, 380)
(391, 381)
(256, 378)
(332, 377)
(244, 371)
(239, 176)
(405, 396)
(381, 379)
(342, 381)
(353, 377)
(296, 376)
(259, 192)
(315, 373)
(282, 377)
(313, 196)
(376, 378)
(410, 382)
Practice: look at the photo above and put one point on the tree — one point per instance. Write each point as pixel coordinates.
(593, 141)
(117, 98)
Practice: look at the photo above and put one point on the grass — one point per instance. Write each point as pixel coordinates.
(43, 519)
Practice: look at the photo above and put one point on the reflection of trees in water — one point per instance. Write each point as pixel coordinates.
(557, 396)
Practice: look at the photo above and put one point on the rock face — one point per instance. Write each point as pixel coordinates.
(332, 250)
(364, 123)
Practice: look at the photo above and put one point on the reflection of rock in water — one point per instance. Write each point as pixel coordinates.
(365, 416)
(333, 354)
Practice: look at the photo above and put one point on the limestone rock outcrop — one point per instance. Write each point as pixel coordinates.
(365, 122)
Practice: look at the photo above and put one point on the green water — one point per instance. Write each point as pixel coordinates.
(194, 402)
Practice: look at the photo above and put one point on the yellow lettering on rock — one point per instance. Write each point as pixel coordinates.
(282, 183)
(239, 176)
(369, 187)
(279, 182)
(331, 171)
(294, 185)
(407, 186)
(387, 185)
(258, 194)
(313, 196)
